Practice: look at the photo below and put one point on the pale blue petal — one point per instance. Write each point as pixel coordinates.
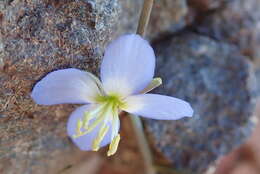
(85, 142)
(128, 65)
(158, 107)
(66, 86)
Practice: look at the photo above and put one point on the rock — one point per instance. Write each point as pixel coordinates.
(207, 5)
(219, 83)
(129, 16)
(257, 73)
(37, 37)
(237, 22)
(167, 16)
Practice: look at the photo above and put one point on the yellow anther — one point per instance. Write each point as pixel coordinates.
(152, 85)
(79, 126)
(87, 117)
(157, 81)
(96, 143)
(113, 145)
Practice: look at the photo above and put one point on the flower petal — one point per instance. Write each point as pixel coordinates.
(85, 142)
(128, 65)
(158, 107)
(66, 86)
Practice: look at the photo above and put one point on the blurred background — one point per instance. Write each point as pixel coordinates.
(207, 54)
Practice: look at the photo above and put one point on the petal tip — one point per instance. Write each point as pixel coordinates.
(189, 111)
(34, 95)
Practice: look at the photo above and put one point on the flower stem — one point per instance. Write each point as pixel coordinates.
(143, 144)
(137, 123)
(145, 16)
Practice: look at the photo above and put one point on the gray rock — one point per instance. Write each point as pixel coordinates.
(168, 16)
(237, 22)
(129, 16)
(207, 5)
(257, 73)
(218, 82)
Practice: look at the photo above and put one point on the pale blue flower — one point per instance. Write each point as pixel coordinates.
(127, 74)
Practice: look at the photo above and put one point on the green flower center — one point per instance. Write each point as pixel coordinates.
(115, 101)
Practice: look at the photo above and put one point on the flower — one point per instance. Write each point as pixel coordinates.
(126, 74)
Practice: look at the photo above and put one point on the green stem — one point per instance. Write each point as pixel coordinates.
(143, 144)
(145, 16)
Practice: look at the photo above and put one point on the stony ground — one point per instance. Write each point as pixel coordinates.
(208, 53)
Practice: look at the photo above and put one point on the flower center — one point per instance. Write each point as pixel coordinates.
(105, 117)
(114, 100)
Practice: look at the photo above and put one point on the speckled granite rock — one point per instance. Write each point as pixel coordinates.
(36, 37)
(219, 84)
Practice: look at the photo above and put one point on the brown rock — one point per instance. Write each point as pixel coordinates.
(39, 36)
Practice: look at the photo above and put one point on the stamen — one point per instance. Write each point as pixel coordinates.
(95, 145)
(113, 146)
(115, 121)
(106, 111)
(101, 118)
(87, 118)
(89, 115)
(152, 85)
(79, 126)
(99, 138)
